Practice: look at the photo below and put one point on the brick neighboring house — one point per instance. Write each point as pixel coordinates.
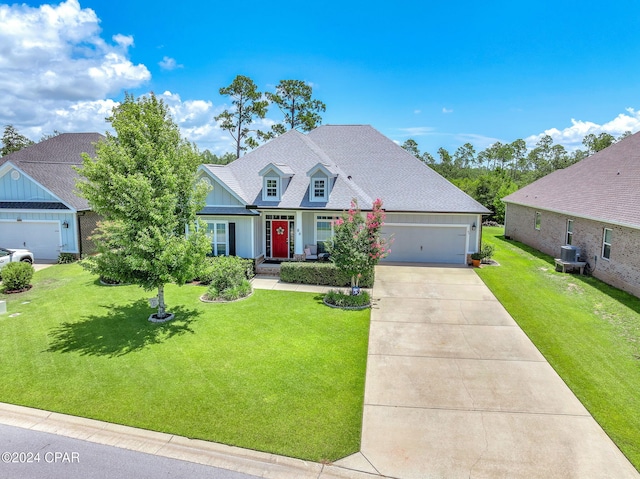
(593, 205)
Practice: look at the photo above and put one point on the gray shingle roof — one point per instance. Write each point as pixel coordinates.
(603, 187)
(51, 162)
(368, 166)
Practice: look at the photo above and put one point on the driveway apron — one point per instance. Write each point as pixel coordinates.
(455, 389)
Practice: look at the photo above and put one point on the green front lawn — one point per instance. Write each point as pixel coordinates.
(277, 372)
(588, 331)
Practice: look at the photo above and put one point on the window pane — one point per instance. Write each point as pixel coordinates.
(324, 230)
(222, 249)
(221, 231)
(606, 252)
(570, 226)
(318, 188)
(272, 188)
(607, 235)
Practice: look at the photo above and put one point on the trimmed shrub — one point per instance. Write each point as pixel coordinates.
(236, 292)
(66, 258)
(17, 276)
(345, 300)
(227, 278)
(213, 264)
(487, 253)
(326, 274)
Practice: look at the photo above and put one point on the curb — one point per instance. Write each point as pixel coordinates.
(246, 461)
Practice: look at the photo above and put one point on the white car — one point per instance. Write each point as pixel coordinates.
(14, 255)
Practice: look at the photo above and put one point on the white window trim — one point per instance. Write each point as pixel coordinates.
(330, 218)
(214, 239)
(569, 232)
(537, 221)
(278, 181)
(604, 243)
(312, 189)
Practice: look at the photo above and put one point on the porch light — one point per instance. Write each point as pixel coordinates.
(473, 226)
(65, 224)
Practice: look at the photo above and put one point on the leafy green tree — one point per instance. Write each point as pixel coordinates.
(597, 143)
(213, 159)
(247, 106)
(13, 141)
(412, 147)
(464, 156)
(300, 110)
(143, 183)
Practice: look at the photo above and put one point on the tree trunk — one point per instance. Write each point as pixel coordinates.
(161, 306)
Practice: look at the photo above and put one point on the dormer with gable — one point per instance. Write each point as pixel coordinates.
(275, 179)
(321, 180)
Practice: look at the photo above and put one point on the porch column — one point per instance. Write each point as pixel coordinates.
(299, 246)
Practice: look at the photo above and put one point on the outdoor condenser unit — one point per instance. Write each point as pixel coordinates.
(569, 253)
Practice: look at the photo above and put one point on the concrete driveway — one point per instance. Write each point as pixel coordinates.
(455, 389)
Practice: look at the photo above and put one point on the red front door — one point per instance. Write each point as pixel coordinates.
(279, 239)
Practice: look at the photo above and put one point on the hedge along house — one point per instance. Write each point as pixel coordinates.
(593, 205)
(280, 199)
(38, 207)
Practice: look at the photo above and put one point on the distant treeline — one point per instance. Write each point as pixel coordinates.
(502, 168)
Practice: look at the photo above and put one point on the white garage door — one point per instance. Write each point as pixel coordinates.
(427, 243)
(43, 239)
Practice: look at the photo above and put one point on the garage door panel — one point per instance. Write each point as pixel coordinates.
(427, 244)
(42, 238)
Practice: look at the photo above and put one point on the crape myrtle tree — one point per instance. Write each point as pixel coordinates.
(143, 183)
(356, 245)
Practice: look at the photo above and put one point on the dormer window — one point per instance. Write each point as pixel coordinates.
(321, 180)
(319, 190)
(271, 188)
(275, 180)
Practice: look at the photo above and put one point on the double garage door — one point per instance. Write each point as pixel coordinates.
(41, 238)
(427, 243)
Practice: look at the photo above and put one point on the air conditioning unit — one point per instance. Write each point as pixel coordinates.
(569, 253)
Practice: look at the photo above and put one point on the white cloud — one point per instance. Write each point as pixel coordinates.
(447, 110)
(53, 59)
(571, 137)
(169, 63)
(417, 112)
(418, 130)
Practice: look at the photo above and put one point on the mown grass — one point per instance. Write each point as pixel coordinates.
(277, 372)
(588, 331)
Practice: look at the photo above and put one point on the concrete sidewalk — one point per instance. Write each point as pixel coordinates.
(455, 389)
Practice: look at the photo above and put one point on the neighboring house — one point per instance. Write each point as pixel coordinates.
(39, 209)
(593, 205)
(282, 198)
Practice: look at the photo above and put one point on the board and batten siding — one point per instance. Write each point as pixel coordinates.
(220, 196)
(244, 244)
(22, 189)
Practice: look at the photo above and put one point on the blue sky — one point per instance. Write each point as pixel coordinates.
(439, 72)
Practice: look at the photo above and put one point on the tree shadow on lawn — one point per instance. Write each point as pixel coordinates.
(121, 330)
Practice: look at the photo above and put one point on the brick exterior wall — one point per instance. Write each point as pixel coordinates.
(87, 223)
(621, 270)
